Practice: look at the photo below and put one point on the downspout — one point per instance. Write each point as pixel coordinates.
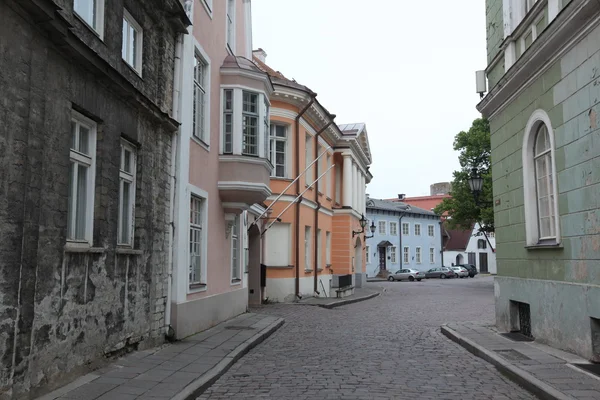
(400, 250)
(298, 191)
(442, 242)
(316, 256)
(169, 333)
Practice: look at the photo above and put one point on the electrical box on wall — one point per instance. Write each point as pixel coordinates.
(481, 82)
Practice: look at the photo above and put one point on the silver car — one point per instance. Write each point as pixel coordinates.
(460, 272)
(407, 275)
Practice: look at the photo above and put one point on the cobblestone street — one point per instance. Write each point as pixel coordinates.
(389, 347)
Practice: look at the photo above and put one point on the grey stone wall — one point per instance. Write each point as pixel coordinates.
(62, 311)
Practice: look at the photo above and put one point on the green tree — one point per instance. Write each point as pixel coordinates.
(474, 151)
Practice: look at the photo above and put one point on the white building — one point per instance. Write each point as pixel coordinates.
(471, 247)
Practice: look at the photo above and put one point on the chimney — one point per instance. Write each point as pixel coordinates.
(401, 196)
(260, 54)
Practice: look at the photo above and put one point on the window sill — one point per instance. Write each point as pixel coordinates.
(328, 266)
(197, 287)
(128, 250)
(308, 271)
(549, 246)
(309, 187)
(131, 67)
(328, 198)
(320, 194)
(78, 247)
(281, 178)
(280, 266)
(201, 142)
(87, 25)
(236, 282)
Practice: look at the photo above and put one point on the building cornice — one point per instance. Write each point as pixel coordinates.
(571, 26)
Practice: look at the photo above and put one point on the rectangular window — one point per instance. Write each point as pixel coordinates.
(92, 12)
(307, 248)
(228, 121)
(196, 239)
(328, 176)
(368, 256)
(126, 193)
(382, 227)
(199, 104)
(308, 159)
(418, 255)
(405, 229)
(266, 123)
(231, 25)
(81, 179)
(393, 254)
(417, 229)
(432, 255)
(235, 249)
(393, 228)
(278, 146)
(430, 230)
(250, 124)
(406, 255)
(132, 42)
(278, 245)
(528, 4)
(328, 248)
(319, 245)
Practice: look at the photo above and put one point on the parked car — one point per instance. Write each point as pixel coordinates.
(441, 273)
(460, 272)
(471, 268)
(406, 274)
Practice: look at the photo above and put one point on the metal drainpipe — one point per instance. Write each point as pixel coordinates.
(401, 250)
(442, 242)
(298, 191)
(316, 256)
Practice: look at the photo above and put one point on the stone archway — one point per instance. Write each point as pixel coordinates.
(254, 267)
(459, 259)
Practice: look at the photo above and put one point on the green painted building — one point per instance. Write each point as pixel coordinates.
(544, 106)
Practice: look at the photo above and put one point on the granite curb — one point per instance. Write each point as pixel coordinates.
(197, 387)
(517, 375)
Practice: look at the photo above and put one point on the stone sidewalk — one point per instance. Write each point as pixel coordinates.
(180, 371)
(547, 372)
(360, 294)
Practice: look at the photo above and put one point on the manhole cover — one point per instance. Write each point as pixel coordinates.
(239, 328)
(512, 355)
(517, 337)
(591, 368)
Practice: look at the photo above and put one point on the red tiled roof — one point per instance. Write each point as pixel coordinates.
(458, 240)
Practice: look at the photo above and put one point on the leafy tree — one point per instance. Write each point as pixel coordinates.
(474, 151)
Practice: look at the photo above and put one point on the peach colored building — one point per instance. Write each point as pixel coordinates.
(221, 167)
(312, 242)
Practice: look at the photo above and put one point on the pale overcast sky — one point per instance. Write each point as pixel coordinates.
(405, 68)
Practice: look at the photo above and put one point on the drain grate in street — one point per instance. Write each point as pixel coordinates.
(240, 328)
(517, 337)
(591, 368)
(512, 355)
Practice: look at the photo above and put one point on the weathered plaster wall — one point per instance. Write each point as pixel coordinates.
(62, 310)
(494, 27)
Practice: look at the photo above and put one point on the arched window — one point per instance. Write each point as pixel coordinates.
(539, 182)
(481, 244)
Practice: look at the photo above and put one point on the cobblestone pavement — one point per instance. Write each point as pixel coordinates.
(389, 347)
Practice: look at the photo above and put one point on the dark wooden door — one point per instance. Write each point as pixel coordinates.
(483, 263)
(382, 258)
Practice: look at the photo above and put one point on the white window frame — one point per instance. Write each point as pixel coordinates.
(228, 112)
(204, 87)
(307, 247)
(432, 255)
(319, 250)
(236, 270)
(230, 21)
(393, 231)
(368, 256)
(393, 255)
(381, 224)
(418, 255)
(308, 175)
(202, 283)
(78, 158)
(208, 6)
(431, 230)
(406, 255)
(273, 139)
(328, 248)
(98, 24)
(256, 116)
(127, 177)
(138, 61)
(406, 232)
(417, 229)
(532, 230)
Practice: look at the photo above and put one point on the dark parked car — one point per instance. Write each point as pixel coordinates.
(441, 273)
(471, 268)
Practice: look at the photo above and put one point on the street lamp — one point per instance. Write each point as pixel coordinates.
(363, 224)
(372, 228)
(475, 184)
